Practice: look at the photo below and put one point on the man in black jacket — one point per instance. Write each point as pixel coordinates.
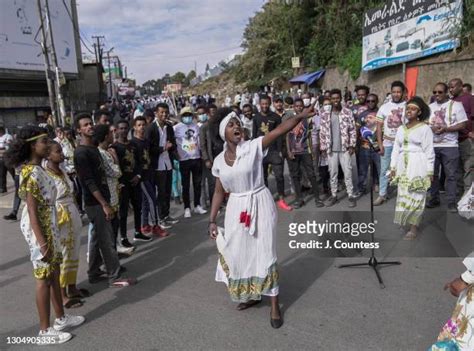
(130, 192)
(264, 122)
(91, 173)
(162, 144)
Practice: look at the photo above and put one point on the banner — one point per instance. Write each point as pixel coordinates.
(19, 27)
(404, 30)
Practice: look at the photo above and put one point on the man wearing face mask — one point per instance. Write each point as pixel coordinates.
(338, 140)
(190, 161)
(204, 142)
(306, 97)
(264, 122)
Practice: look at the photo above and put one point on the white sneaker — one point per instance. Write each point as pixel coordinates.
(199, 210)
(124, 250)
(67, 321)
(187, 213)
(52, 336)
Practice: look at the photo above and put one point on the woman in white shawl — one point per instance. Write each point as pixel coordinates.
(458, 332)
(247, 249)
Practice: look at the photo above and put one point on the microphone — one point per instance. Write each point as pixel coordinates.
(367, 134)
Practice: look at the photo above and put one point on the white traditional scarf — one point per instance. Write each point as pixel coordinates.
(224, 123)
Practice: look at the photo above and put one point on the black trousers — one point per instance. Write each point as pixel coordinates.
(164, 180)
(276, 161)
(3, 174)
(296, 165)
(191, 168)
(130, 194)
(211, 181)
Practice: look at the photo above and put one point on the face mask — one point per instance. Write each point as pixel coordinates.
(306, 102)
(313, 100)
(202, 118)
(187, 119)
(327, 108)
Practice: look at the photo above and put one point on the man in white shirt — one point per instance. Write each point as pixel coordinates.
(190, 161)
(447, 118)
(390, 116)
(5, 140)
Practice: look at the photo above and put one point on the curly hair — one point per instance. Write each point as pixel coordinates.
(100, 133)
(424, 108)
(20, 150)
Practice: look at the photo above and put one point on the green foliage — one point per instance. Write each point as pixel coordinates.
(351, 60)
(319, 32)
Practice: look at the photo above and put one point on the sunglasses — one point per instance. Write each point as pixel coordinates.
(438, 92)
(371, 101)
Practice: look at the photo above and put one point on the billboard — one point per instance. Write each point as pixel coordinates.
(19, 26)
(404, 30)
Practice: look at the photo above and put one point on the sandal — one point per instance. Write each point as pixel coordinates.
(244, 305)
(123, 282)
(409, 236)
(82, 294)
(74, 303)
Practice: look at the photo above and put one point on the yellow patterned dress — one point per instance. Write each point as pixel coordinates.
(35, 180)
(69, 226)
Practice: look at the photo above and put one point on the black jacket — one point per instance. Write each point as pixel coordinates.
(152, 134)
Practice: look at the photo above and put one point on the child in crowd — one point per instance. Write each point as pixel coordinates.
(39, 227)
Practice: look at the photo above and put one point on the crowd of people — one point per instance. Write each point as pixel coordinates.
(145, 154)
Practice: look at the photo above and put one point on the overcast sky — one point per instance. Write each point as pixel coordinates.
(155, 37)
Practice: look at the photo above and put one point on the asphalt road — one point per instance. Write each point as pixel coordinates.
(177, 305)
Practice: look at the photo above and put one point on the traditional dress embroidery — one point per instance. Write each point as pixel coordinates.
(458, 332)
(413, 163)
(35, 180)
(247, 251)
(69, 225)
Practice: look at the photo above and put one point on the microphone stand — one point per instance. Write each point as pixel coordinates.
(373, 262)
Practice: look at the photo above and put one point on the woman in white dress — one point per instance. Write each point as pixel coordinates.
(412, 166)
(247, 250)
(458, 331)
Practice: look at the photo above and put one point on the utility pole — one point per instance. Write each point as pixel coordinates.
(44, 49)
(110, 73)
(59, 76)
(98, 59)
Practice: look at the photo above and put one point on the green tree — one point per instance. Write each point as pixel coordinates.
(178, 77)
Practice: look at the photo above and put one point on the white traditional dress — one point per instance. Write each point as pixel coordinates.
(35, 181)
(69, 226)
(413, 162)
(458, 332)
(247, 254)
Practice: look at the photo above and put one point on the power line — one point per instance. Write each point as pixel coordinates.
(76, 29)
(185, 56)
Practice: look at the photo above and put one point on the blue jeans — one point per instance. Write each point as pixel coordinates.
(384, 167)
(365, 155)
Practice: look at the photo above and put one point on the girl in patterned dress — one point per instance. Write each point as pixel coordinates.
(39, 227)
(69, 227)
(412, 166)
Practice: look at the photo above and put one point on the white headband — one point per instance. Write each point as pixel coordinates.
(224, 123)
